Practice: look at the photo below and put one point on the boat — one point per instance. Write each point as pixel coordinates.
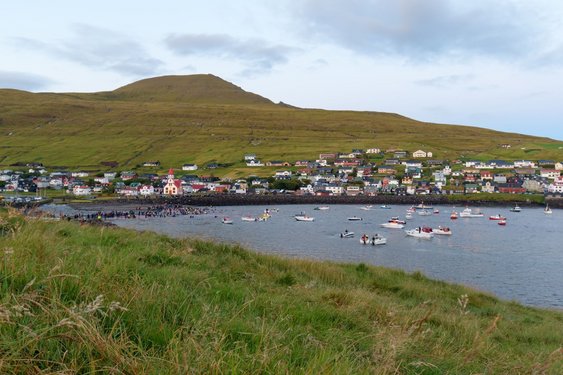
(392, 225)
(453, 215)
(386, 207)
(408, 215)
(249, 218)
(395, 219)
(516, 208)
(264, 217)
(354, 218)
(424, 213)
(411, 209)
(436, 211)
(322, 208)
(346, 234)
(468, 212)
(304, 218)
(442, 230)
(497, 217)
(366, 208)
(227, 220)
(375, 240)
(422, 206)
(501, 222)
(419, 233)
(547, 210)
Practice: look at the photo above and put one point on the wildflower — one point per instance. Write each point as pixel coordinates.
(95, 305)
(462, 301)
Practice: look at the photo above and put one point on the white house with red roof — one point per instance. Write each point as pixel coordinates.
(172, 186)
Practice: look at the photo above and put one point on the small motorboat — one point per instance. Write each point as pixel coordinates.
(375, 240)
(419, 233)
(304, 218)
(501, 222)
(408, 215)
(424, 213)
(346, 234)
(453, 215)
(322, 208)
(249, 218)
(497, 217)
(366, 208)
(436, 211)
(395, 219)
(355, 218)
(392, 225)
(442, 231)
(227, 220)
(547, 210)
(516, 208)
(411, 209)
(385, 207)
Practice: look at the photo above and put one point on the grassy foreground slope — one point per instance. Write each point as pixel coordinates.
(82, 299)
(201, 119)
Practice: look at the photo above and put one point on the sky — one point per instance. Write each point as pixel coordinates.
(490, 63)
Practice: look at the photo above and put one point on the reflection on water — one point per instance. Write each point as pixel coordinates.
(522, 261)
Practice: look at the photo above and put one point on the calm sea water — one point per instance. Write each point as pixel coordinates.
(522, 261)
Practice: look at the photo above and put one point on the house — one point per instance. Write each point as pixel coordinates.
(392, 161)
(79, 174)
(499, 179)
(110, 175)
(128, 191)
(254, 163)
(545, 162)
(505, 145)
(302, 163)
(488, 187)
(278, 163)
(81, 190)
(556, 186)
(407, 180)
(386, 169)
(373, 151)
(419, 154)
(512, 188)
(486, 175)
(412, 164)
(353, 190)
(334, 189)
(327, 155)
(550, 173)
(172, 185)
(249, 157)
(524, 164)
(559, 166)
(282, 174)
(189, 167)
(471, 188)
(434, 162)
(400, 154)
(128, 175)
(146, 190)
(155, 163)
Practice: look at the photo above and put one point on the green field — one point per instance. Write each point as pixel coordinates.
(85, 299)
(201, 119)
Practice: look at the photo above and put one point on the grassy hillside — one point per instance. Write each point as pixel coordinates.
(80, 299)
(202, 119)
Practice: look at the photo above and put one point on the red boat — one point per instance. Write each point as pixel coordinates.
(502, 222)
(497, 217)
(453, 215)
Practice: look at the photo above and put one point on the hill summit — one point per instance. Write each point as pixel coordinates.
(197, 89)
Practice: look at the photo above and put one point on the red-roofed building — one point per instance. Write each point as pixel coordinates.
(173, 186)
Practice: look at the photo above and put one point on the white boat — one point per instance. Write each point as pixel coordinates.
(392, 225)
(424, 213)
(418, 233)
(467, 212)
(395, 219)
(375, 240)
(346, 234)
(386, 207)
(322, 208)
(227, 220)
(442, 231)
(249, 218)
(436, 211)
(547, 210)
(501, 222)
(497, 217)
(408, 215)
(516, 208)
(422, 206)
(354, 218)
(304, 218)
(366, 208)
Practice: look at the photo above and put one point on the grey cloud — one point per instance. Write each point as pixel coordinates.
(445, 81)
(257, 54)
(423, 29)
(23, 81)
(99, 48)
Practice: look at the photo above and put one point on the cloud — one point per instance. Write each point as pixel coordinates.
(101, 49)
(445, 81)
(256, 54)
(23, 81)
(423, 30)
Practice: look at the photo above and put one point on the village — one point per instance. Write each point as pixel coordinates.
(359, 172)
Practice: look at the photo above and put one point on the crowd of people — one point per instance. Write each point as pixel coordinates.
(138, 212)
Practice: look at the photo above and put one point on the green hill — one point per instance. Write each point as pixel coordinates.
(83, 299)
(201, 118)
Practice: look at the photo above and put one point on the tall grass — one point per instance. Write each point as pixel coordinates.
(83, 299)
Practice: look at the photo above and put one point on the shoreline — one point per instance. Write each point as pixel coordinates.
(284, 199)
